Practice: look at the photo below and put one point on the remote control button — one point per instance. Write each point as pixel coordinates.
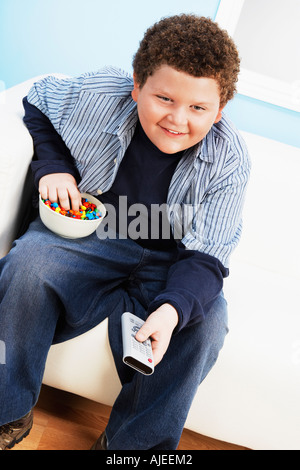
(149, 360)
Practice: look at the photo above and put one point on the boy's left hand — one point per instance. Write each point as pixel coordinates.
(159, 326)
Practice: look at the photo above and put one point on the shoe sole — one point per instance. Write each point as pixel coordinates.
(100, 444)
(17, 441)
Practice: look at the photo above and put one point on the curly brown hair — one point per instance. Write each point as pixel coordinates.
(191, 44)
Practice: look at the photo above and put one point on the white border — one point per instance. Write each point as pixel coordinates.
(255, 85)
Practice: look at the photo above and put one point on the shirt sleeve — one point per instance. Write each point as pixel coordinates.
(193, 282)
(215, 224)
(51, 155)
(56, 98)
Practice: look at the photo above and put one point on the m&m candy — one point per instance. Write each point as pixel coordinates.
(87, 210)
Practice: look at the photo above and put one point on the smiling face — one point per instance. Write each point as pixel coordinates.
(177, 110)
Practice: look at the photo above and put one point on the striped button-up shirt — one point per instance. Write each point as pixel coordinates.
(96, 117)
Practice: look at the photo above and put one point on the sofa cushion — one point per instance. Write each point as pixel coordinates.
(251, 396)
(16, 152)
(271, 230)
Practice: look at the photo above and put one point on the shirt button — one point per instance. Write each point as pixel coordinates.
(115, 161)
(99, 191)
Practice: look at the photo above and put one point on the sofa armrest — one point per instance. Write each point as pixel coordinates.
(16, 150)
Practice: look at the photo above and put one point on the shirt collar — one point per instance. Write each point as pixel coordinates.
(204, 151)
(122, 123)
(207, 148)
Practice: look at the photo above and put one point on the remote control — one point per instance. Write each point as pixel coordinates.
(135, 354)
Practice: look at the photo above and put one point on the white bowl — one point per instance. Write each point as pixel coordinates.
(66, 226)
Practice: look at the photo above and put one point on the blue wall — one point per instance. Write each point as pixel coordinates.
(74, 36)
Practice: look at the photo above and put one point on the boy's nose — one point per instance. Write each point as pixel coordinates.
(178, 118)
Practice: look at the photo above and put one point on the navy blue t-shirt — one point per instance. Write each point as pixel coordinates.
(144, 177)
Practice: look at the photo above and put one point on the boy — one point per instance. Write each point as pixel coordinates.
(157, 140)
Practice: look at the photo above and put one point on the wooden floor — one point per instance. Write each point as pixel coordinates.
(63, 421)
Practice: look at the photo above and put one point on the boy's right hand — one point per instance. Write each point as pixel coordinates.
(61, 188)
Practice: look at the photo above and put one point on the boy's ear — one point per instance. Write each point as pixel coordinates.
(219, 115)
(136, 89)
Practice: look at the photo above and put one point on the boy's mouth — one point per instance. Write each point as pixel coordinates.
(172, 132)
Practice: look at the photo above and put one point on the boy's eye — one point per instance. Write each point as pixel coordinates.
(163, 98)
(198, 108)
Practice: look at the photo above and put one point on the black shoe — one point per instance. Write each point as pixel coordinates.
(13, 433)
(101, 443)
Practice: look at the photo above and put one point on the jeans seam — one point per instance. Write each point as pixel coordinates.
(141, 263)
(137, 393)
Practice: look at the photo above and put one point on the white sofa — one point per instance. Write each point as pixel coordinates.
(252, 396)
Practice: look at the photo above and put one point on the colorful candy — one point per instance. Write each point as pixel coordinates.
(87, 210)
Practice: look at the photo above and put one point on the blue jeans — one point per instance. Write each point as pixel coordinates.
(53, 289)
